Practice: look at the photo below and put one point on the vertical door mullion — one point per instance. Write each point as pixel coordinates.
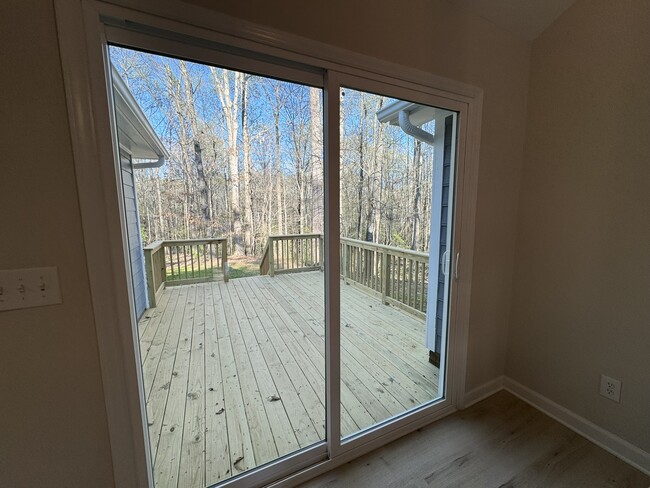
(331, 136)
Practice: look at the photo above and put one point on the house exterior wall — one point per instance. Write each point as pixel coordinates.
(580, 306)
(136, 254)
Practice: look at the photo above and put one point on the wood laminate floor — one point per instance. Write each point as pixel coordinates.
(234, 373)
(500, 442)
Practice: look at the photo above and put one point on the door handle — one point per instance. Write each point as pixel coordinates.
(444, 263)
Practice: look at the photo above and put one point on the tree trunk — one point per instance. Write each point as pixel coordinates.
(315, 133)
(278, 161)
(361, 164)
(174, 92)
(248, 201)
(201, 180)
(372, 229)
(230, 104)
(417, 169)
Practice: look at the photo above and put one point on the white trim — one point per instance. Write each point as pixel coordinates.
(612, 443)
(91, 136)
(483, 391)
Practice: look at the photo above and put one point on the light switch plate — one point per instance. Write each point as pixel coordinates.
(30, 287)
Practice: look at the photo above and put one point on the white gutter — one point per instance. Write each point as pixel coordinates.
(152, 164)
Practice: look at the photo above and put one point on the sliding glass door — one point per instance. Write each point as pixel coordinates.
(290, 237)
(396, 203)
(225, 225)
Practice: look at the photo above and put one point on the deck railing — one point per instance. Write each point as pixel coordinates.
(182, 262)
(292, 253)
(397, 276)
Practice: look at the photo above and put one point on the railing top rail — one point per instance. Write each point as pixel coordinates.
(154, 246)
(372, 245)
(294, 236)
(189, 242)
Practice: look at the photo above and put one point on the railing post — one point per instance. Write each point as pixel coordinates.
(149, 268)
(345, 263)
(386, 277)
(271, 258)
(224, 259)
(321, 252)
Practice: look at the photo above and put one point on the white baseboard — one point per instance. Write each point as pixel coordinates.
(482, 392)
(620, 448)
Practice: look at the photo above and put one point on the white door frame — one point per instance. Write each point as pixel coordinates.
(83, 32)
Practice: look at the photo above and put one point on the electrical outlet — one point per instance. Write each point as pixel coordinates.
(610, 388)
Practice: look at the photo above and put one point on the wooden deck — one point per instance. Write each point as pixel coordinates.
(234, 372)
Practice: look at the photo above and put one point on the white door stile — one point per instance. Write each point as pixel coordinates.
(86, 75)
(331, 106)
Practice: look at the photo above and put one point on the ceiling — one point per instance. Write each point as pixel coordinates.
(524, 18)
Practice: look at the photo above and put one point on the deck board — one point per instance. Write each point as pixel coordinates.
(234, 373)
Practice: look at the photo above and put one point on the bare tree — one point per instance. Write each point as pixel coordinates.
(247, 167)
(417, 170)
(205, 210)
(248, 202)
(376, 174)
(276, 100)
(228, 85)
(315, 136)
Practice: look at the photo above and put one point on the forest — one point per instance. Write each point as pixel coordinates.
(246, 159)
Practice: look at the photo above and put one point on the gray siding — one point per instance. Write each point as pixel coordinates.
(444, 213)
(136, 255)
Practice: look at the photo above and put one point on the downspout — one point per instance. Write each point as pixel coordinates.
(414, 131)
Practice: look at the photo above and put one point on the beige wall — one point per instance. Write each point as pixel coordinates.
(53, 430)
(582, 281)
(439, 38)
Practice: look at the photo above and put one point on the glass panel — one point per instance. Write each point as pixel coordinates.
(222, 178)
(396, 203)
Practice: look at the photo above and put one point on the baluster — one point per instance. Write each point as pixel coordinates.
(416, 278)
(385, 275)
(211, 251)
(178, 261)
(423, 306)
(399, 284)
(408, 296)
(171, 260)
(271, 257)
(404, 282)
(192, 258)
(198, 260)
